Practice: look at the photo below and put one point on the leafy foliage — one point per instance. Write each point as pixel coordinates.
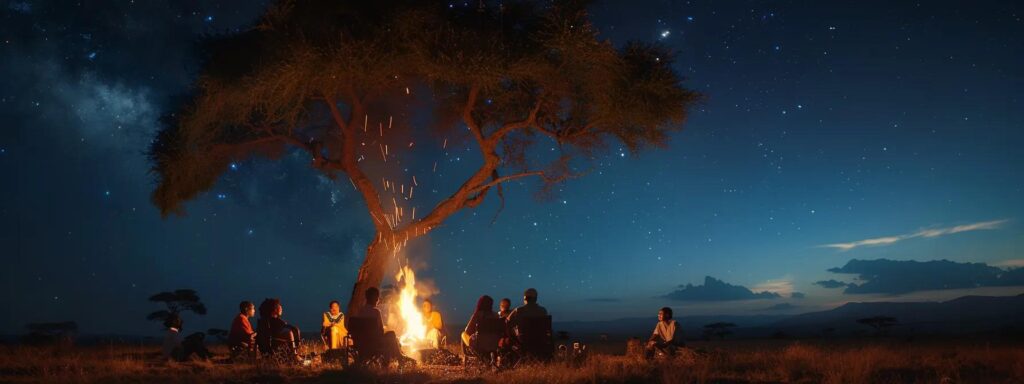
(177, 301)
(539, 66)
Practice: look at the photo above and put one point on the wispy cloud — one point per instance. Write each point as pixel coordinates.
(783, 287)
(936, 232)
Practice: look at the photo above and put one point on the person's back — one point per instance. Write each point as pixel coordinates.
(371, 312)
(529, 309)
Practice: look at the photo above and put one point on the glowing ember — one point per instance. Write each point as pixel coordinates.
(413, 335)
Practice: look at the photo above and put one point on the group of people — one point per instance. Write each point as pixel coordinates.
(513, 318)
(272, 333)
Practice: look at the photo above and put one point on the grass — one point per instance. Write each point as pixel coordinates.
(766, 361)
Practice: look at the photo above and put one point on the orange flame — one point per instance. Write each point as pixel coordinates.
(414, 327)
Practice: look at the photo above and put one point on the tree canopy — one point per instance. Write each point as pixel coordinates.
(540, 68)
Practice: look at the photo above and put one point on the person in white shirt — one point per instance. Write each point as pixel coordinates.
(666, 336)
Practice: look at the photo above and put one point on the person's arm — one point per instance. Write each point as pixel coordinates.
(327, 320)
(513, 318)
(247, 327)
(471, 326)
(654, 335)
(670, 332)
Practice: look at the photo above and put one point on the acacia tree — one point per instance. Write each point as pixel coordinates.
(177, 301)
(312, 75)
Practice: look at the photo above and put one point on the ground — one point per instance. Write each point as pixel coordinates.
(759, 361)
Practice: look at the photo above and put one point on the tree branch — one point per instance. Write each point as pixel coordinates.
(530, 120)
(349, 165)
(503, 179)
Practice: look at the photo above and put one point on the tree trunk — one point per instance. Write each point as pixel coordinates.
(371, 273)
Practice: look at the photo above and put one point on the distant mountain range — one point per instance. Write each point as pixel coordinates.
(964, 315)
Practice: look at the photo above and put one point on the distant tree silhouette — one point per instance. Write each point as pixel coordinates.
(880, 324)
(719, 330)
(220, 334)
(331, 78)
(563, 335)
(49, 333)
(176, 301)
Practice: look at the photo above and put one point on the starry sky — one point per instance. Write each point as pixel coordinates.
(830, 131)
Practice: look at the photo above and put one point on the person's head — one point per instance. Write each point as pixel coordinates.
(173, 321)
(504, 304)
(334, 306)
(530, 296)
(271, 307)
(665, 314)
(247, 308)
(428, 306)
(485, 303)
(372, 296)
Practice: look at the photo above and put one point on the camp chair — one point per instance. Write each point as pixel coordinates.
(534, 340)
(484, 348)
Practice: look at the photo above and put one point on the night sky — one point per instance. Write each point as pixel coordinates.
(830, 131)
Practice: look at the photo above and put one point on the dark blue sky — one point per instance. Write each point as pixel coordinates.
(886, 130)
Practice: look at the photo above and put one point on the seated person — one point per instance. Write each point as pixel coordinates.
(504, 308)
(273, 332)
(391, 348)
(241, 337)
(181, 350)
(664, 338)
(529, 309)
(484, 310)
(435, 327)
(333, 332)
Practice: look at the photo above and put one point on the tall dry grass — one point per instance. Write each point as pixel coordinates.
(749, 362)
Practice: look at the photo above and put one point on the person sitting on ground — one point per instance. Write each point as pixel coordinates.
(504, 308)
(181, 350)
(333, 332)
(241, 337)
(271, 327)
(391, 348)
(666, 337)
(435, 326)
(529, 309)
(484, 310)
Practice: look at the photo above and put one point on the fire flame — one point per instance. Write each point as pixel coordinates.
(414, 327)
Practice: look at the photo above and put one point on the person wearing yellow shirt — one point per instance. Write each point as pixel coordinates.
(435, 326)
(333, 331)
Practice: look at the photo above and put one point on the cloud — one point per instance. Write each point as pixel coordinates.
(897, 277)
(783, 287)
(831, 283)
(797, 295)
(887, 240)
(716, 290)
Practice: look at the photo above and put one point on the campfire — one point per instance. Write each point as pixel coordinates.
(411, 326)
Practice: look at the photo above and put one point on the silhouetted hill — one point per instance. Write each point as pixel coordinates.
(965, 315)
(968, 314)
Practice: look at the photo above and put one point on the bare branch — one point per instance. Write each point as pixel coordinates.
(351, 167)
(503, 179)
(530, 120)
